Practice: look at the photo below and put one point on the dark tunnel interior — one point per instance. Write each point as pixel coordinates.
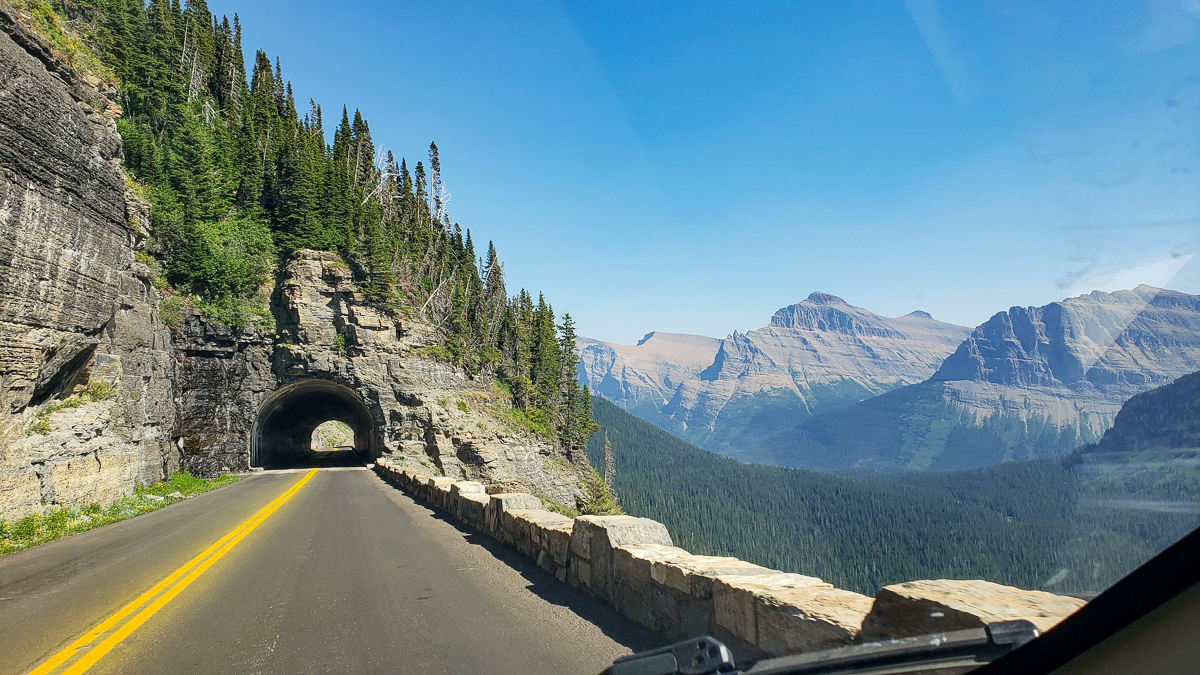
(283, 431)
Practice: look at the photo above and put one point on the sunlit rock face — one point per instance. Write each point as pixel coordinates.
(64, 239)
(75, 308)
(1030, 382)
(815, 355)
(425, 413)
(1077, 361)
(643, 378)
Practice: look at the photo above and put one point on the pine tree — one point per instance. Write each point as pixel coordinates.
(420, 195)
(610, 466)
(597, 499)
(435, 185)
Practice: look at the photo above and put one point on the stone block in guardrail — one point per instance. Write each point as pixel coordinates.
(473, 508)
(694, 575)
(924, 607)
(682, 590)
(439, 491)
(633, 583)
(781, 613)
(531, 530)
(417, 483)
(593, 538)
(555, 546)
(460, 488)
(498, 504)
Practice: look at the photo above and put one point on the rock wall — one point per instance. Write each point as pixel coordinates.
(74, 306)
(221, 377)
(64, 238)
(632, 564)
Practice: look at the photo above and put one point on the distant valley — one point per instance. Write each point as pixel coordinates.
(833, 387)
(1071, 525)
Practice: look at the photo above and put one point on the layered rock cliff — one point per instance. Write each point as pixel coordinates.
(430, 414)
(815, 355)
(74, 306)
(1082, 356)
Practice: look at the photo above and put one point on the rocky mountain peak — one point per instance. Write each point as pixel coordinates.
(822, 298)
(828, 313)
(1127, 340)
(818, 353)
(920, 314)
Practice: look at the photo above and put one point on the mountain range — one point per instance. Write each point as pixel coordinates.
(731, 395)
(833, 387)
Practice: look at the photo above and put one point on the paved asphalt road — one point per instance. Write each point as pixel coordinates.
(348, 576)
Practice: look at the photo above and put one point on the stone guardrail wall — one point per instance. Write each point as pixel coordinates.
(631, 564)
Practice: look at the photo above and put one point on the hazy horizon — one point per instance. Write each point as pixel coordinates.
(767, 319)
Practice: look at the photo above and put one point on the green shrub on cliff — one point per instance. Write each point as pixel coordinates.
(227, 258)
(170, 310)
(46, 19)
(597, 499)
(95, 391)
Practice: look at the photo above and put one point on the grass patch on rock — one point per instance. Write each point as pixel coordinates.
(522, 421)
(56, 523)
(556, 506)
(46, 20)
(96, 391)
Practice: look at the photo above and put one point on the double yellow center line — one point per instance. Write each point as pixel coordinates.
(157, 597)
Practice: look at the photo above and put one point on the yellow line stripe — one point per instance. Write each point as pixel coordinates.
(223, 544)
(111, 621)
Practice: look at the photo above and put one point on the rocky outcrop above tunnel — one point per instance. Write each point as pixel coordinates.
(221, 377)
(427, 413)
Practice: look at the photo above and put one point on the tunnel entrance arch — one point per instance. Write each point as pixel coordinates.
(283, 428)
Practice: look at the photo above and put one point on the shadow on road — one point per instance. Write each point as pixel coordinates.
(318, 459)
(618, 628)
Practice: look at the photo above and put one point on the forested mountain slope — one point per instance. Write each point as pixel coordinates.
(855, 533)
(1072, 525)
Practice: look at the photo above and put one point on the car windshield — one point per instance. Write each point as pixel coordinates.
(792, 325)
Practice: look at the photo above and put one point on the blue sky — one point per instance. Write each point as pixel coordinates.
(694, 166)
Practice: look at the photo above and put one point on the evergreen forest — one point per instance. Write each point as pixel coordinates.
(1050, 524)
(240, 174)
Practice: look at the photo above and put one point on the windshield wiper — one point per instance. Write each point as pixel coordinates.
(946, 653)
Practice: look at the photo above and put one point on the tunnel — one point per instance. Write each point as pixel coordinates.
(282, 434)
